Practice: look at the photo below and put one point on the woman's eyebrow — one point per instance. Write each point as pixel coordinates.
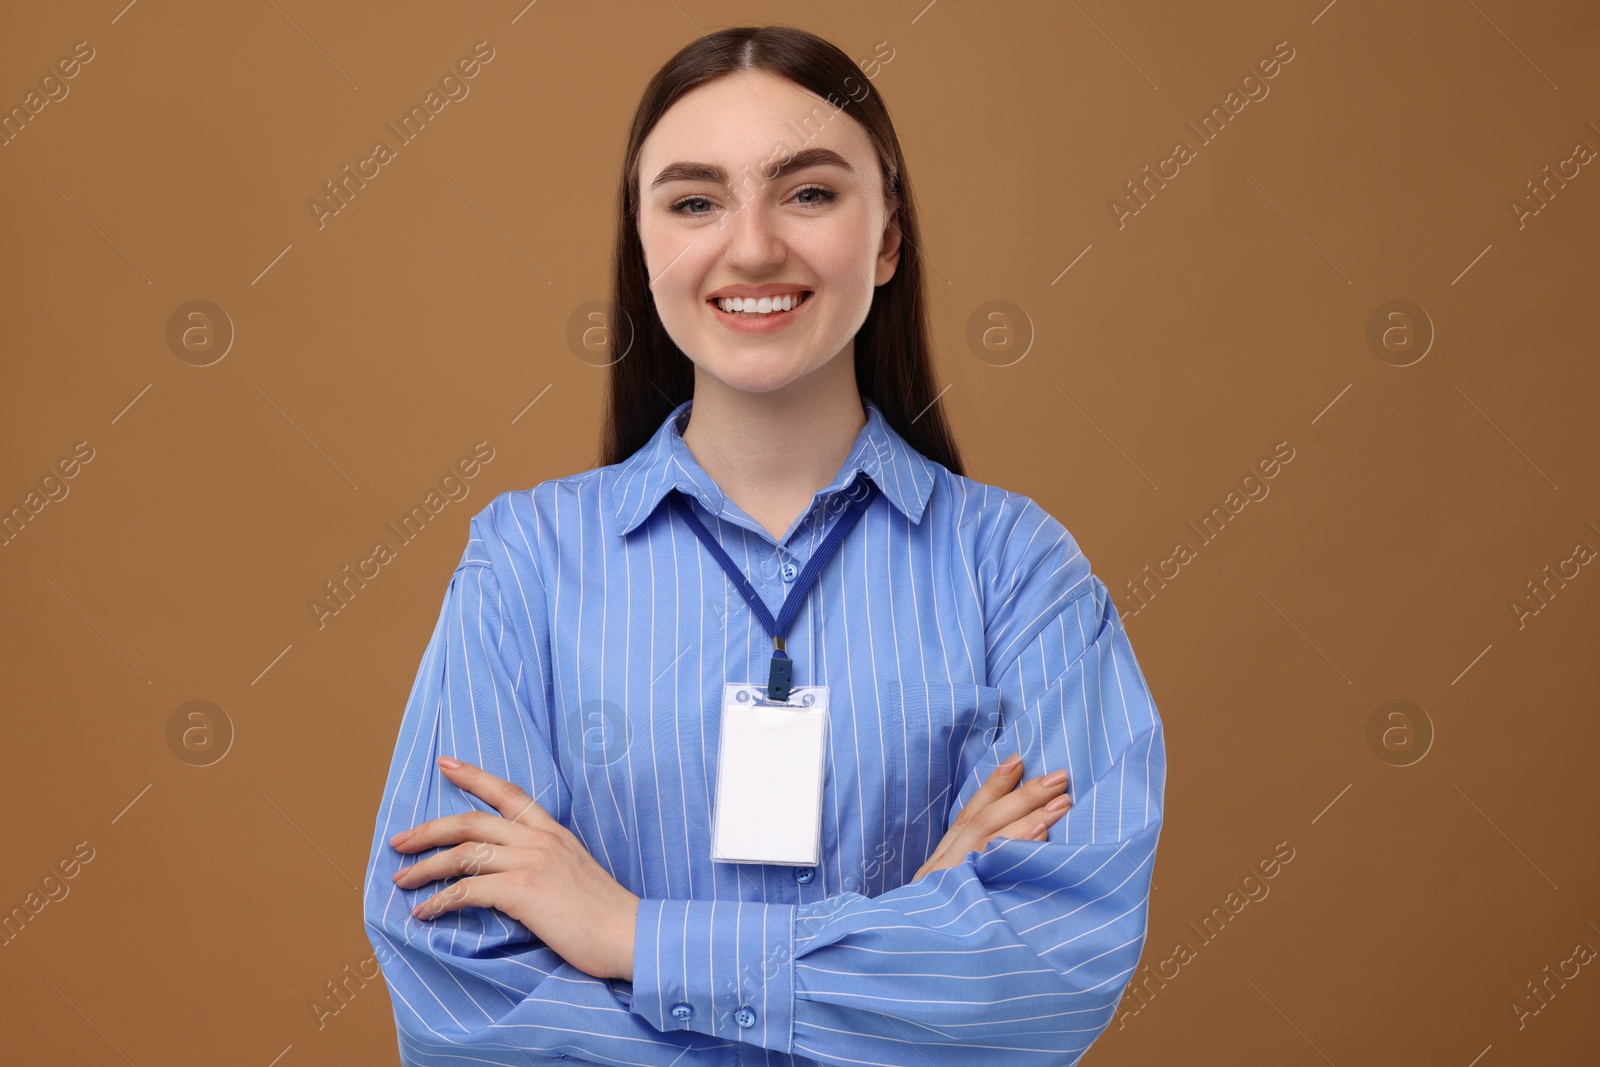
(711, 172)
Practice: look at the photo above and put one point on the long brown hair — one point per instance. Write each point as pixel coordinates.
(653, 376)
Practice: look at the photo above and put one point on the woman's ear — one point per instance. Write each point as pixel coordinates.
(889, 255)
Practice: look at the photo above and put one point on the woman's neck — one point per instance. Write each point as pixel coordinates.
(772, 452)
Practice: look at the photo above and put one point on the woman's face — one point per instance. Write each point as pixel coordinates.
(717, 218)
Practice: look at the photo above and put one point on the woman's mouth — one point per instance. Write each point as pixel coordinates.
(750, 315)
(759, 308)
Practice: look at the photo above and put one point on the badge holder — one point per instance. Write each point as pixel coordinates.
(770, 763)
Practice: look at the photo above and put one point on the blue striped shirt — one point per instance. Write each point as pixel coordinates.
(581, 653)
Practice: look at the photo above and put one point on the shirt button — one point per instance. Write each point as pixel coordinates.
(790, 571)
(682, 1011)
(745, 1017)
(803, 875)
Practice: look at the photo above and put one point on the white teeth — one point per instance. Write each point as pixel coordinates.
(765, 305)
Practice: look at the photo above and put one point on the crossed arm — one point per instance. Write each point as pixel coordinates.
(1019, 951)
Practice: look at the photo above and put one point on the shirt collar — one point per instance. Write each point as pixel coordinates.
(901, 473)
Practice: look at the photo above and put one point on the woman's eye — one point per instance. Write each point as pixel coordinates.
(823, 195)
(681, 207)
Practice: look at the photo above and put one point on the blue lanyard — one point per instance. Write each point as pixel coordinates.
(781, 672)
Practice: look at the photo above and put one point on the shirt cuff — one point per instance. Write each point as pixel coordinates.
(719, 967)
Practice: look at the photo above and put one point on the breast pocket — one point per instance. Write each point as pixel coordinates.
(929, 727)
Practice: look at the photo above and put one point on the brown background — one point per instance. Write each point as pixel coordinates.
(1231, 313)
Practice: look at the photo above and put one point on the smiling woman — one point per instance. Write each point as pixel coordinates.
(592, 844)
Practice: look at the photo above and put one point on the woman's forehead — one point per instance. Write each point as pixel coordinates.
(748, 118)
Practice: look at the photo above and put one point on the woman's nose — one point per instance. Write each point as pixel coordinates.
(753, 235)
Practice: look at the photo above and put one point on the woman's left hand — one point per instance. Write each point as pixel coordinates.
(528, 866)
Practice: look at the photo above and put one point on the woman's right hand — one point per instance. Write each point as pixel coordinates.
(1002, 808)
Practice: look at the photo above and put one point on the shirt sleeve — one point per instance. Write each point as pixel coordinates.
(1017, 955)
(475, 986)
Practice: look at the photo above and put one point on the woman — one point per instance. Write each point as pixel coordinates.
(779, 505)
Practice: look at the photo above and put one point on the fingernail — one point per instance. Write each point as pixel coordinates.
(448, 763)
(1060, 803)
(1012, 761)
(399, 838)
(1055, 777)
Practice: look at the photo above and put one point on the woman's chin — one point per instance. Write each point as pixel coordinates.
(750, 375)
